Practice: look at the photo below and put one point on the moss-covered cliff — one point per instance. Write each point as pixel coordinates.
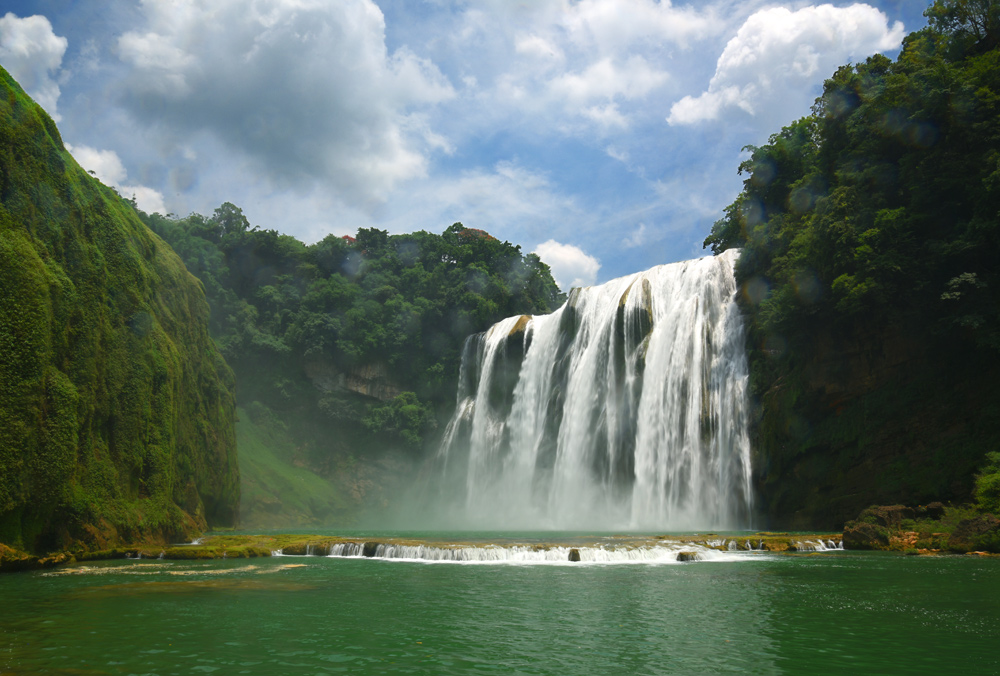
(116, 410)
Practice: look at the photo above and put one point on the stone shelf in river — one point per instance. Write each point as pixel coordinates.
(594, 549)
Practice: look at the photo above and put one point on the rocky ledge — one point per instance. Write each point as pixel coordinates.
(926, 529)
(229, 546)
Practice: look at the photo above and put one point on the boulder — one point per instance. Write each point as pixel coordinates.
(574, 554)
(863, 535)
(370, 549)
(889, 516)
(687, 556)
(933, 510)
(980, 532)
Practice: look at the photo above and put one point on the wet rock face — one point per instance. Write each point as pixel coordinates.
(574, 555)
(371, 380)
(634, 324)
(687, 556)
(507, 366)
(852, 424)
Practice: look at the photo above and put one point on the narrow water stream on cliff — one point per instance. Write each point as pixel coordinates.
(832, 613)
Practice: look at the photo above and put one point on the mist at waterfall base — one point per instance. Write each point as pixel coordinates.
(624, 410)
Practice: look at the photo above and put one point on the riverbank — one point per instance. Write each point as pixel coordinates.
(934, 529)
(926, 529)
(575, 548)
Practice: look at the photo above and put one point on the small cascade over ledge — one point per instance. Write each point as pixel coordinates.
(623, 409)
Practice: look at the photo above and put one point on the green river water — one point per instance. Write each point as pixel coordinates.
(755, 613)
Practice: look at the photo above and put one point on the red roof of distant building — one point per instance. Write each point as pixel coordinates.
(473, 232)
(349, 239)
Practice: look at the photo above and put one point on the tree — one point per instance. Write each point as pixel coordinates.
(974, 23)
(230, 218)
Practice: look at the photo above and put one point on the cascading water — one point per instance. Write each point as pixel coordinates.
(625, 408)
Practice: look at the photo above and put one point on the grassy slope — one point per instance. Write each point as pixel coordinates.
(275, 493)
(116, 410)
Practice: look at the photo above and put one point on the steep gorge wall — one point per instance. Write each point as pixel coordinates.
(870, 284)
(894, 416)
(116, 409)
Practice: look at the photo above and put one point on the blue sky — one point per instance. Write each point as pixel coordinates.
(602, 134)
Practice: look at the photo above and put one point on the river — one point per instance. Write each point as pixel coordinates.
(746, 613)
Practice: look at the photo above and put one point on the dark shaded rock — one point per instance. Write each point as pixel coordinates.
(574, 554)
(933, 510)
(864, 535)
(889, 516)
(298, 549)
(978, 533)
(370, 549)
(687, 556)
(372, 380)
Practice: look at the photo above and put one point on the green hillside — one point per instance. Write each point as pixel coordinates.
(116, 409)
(347, 351)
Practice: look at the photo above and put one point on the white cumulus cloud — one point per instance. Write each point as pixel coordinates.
(108, 168)
(606, 79)
(32, 53)
(612, 25)
(772, 68)
(307, 88)
(104, 164)
(577, 66)
(571, 266)
(636, 238)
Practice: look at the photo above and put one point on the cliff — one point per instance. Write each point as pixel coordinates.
(869, 232)
(116, 409)
(890, 417)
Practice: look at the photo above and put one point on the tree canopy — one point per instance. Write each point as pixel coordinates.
(287, 315)
(885, 200)
(868, 275)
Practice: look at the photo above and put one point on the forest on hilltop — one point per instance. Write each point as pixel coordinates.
(346, 351)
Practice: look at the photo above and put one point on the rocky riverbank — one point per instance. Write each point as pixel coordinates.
(927, 529)
(227, 546)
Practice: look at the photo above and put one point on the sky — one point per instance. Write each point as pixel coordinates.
(604, 135)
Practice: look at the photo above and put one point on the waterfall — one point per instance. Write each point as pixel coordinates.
(623, 409)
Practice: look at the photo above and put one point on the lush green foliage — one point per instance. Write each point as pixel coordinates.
(403, 417)
(351, 345)
(275, 493)
(404, 301)
(988, 485)
(869, 233)
(116, 410)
